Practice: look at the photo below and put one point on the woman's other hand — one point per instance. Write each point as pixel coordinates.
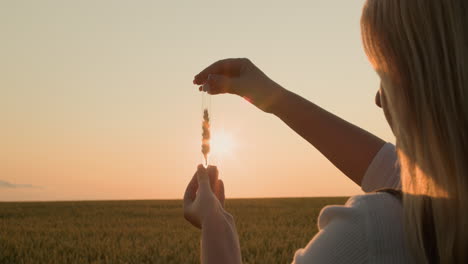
(240, 76)
(204, 208)
(204, 196)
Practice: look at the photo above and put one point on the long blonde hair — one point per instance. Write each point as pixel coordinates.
(421, 46)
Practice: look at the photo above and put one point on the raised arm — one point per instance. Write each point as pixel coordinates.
(350, 148)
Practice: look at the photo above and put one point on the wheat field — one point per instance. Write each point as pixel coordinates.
(151, 231)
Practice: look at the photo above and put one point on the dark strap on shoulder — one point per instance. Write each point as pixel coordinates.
(430, 243)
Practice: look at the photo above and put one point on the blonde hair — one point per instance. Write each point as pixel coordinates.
(421, 47)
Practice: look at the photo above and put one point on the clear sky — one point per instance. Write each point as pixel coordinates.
(97, 100)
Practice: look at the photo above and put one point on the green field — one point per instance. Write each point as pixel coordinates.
(270, 231)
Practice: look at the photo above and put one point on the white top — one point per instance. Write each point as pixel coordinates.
(368, 228)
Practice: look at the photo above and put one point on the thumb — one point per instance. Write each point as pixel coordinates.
(218, 84)
(203, 179)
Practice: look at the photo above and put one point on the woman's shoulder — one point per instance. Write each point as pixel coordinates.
(367, 229)
(372, 211)
(378, 217)
(375, 208)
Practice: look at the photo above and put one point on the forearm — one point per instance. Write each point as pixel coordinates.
(220, 242)
(350, 148)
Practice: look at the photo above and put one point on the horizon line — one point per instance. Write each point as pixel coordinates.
(178, 199)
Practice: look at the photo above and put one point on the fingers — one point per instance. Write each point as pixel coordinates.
(189, 197)
(227, 67)
(217, 185)
(219, 191)
(191, 190)
(219, 84)
(200, 194)
(203, 179)
(213, 174)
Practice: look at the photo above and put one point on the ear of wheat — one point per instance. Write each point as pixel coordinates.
(205, 149)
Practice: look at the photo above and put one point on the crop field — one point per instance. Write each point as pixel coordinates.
(151, 231)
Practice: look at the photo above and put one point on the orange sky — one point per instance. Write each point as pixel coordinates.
(97, 100)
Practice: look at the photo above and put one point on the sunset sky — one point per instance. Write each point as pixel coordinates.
(97, 100)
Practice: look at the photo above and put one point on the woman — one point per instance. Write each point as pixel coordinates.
(419, 48)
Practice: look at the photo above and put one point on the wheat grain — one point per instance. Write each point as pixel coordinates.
(206, 135)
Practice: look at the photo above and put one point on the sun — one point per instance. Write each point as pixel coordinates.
(222, 143)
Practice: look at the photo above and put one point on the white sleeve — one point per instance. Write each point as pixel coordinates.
(384, 170)
(342, 238)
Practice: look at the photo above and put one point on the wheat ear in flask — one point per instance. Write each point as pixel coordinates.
(206, 127)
